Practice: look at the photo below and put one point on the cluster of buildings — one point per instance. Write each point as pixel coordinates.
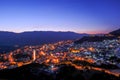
(97, 53)
(105, 52)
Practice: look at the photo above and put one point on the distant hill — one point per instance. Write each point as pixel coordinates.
(94, 39)
(99, 38)
(10, 40)
(116, 32)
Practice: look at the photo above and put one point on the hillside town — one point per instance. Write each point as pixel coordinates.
(94, 54)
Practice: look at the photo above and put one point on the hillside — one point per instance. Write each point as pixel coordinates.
(10, 40)
(116, 32)
(36, 71)
(98, 38)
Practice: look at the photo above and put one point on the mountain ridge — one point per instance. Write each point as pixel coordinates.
(11, 39)
(115, 32)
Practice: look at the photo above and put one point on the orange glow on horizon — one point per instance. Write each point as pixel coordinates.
(95, 32)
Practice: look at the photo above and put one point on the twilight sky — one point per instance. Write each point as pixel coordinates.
(82, 16)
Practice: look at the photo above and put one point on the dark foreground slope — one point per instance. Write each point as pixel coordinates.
(66, 72)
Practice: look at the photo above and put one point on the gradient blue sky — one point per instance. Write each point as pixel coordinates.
(82, 16)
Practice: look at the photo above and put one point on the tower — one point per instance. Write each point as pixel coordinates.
(10, 57)
(34, 55)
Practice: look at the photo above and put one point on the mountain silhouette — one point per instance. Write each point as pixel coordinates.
(99, 38)
(9, 40)
(116, 32)
(95, 38)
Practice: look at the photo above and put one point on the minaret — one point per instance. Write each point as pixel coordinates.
(34, 55)
(10, 57)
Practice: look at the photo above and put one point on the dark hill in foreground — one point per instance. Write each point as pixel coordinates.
(66, 72)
